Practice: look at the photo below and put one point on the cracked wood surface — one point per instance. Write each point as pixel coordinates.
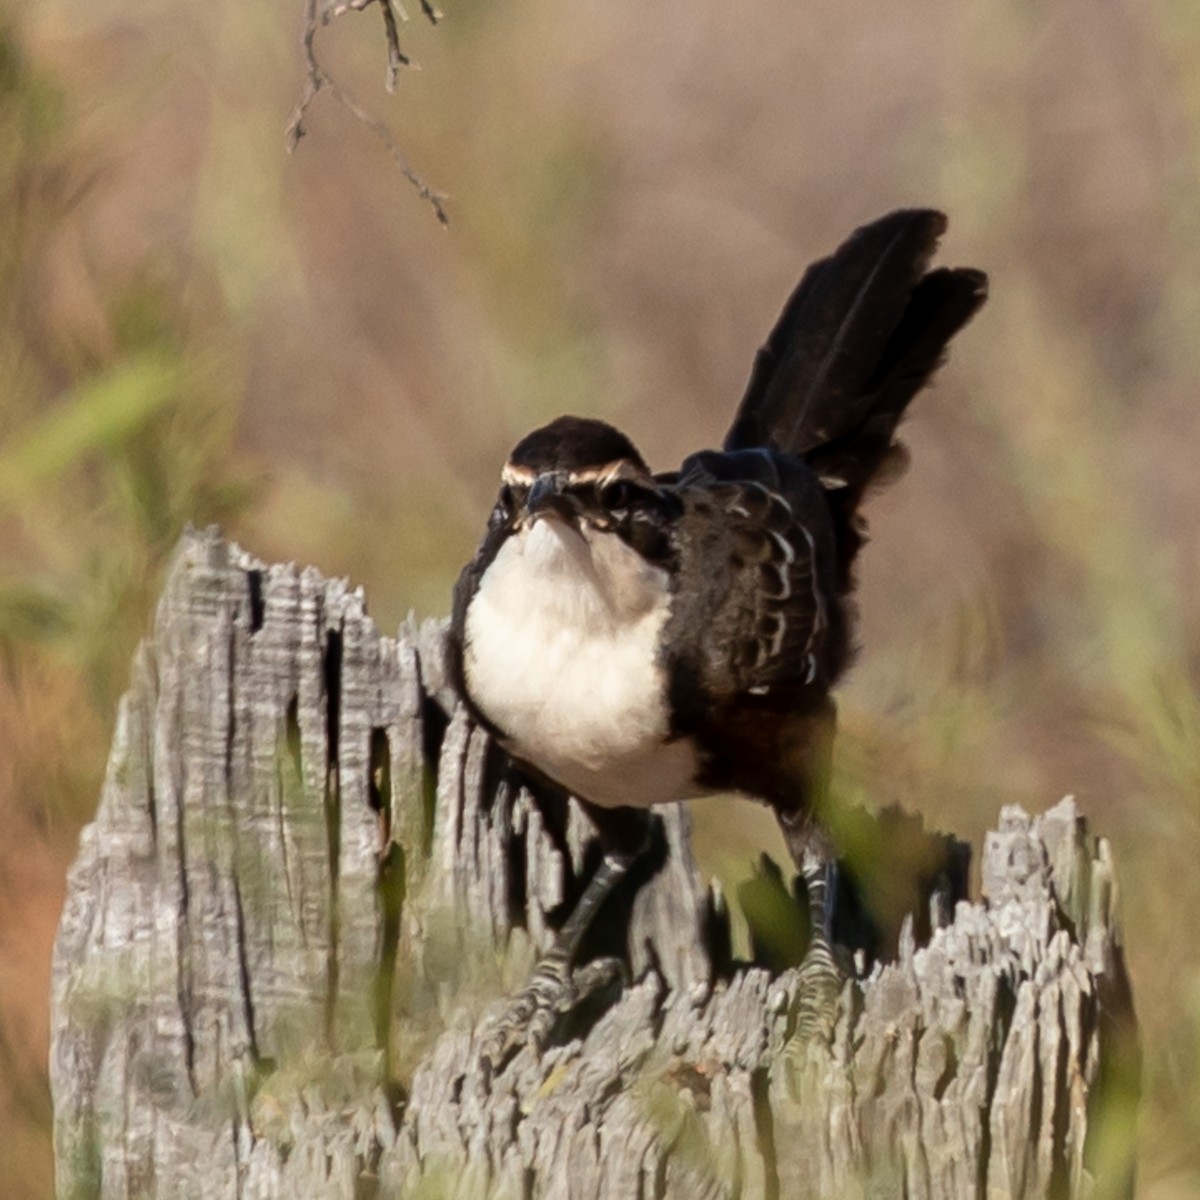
(310, 879)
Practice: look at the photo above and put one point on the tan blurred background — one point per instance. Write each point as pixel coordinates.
(194, 326)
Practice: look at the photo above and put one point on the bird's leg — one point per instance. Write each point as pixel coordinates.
(557, 986)
(799, 809)
(820, 977)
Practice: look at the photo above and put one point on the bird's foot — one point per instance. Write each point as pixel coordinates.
(553, 991)
(813, 1017)
(819, 985)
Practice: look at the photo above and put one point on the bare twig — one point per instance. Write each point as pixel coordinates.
(312, 79)
(381, 131)
(316, 78)
(396, 57)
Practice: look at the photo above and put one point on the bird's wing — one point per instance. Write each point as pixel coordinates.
(757, 544)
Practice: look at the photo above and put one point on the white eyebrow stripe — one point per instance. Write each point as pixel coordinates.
(519, 475)
(516, 476)
(608, 473)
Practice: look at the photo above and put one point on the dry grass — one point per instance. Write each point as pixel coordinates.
(193, 326)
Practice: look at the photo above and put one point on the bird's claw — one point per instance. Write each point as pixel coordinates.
(814, 1015)
(819, 981)
(553, 991)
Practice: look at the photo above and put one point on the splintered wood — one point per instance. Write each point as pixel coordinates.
(311, 882)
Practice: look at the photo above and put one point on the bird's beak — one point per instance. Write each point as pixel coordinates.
(547, 497)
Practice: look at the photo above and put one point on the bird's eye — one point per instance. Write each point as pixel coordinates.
(616, 495)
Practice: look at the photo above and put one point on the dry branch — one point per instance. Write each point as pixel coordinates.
(317, 78)
(310, 879)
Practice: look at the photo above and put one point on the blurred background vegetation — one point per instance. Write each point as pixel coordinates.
(196, 327)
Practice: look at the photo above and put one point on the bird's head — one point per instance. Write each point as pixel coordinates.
(586, 477)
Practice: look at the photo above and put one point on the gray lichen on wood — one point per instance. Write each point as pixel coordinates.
(310, 880)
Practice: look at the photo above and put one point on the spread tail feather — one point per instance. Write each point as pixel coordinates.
(860, 336)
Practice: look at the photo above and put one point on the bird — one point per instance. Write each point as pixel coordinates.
(639, 638)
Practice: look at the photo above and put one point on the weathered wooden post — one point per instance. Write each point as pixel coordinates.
(310, 880)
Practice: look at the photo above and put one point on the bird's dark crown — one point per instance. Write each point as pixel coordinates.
(586, 472)
(574, 446)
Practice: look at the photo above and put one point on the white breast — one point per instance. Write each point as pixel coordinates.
(561, 654)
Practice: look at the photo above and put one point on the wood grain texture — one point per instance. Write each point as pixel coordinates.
(310, 882)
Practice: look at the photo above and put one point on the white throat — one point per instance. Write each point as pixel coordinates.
(561, 655)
